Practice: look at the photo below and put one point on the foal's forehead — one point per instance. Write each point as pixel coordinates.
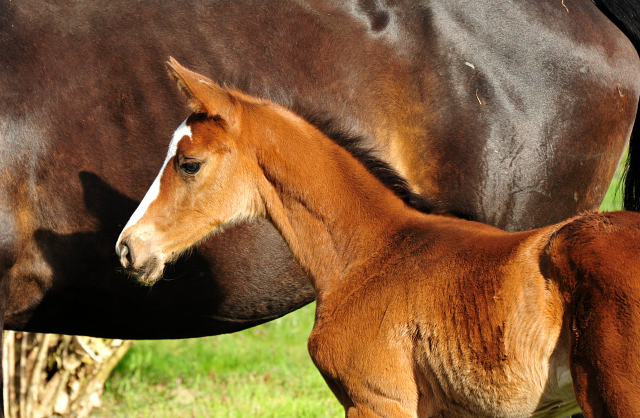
(196, 131)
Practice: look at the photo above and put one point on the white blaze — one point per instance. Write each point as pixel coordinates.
(154, 190)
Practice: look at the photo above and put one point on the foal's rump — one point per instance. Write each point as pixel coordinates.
(594, 259)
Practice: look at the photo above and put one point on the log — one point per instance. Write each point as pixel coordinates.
(47, 374)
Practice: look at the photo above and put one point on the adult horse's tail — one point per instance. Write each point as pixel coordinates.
(626, 15)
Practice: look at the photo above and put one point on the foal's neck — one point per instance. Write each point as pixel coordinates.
(330, 210)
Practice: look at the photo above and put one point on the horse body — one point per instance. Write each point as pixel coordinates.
(418, 314)
(511, 113)
(595, 257)
(481, 335)
(460, 321)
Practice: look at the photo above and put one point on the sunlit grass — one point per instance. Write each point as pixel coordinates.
(613, 199)
(261, 372)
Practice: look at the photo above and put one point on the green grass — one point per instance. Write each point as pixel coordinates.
(261, 372)
(613, 199)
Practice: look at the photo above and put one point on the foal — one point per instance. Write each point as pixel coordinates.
(417, 314)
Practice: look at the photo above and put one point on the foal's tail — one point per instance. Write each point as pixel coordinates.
(625, 14)
(596, 262)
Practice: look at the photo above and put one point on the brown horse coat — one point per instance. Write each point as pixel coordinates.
(418, 314)
(512, 113)
(465, 321)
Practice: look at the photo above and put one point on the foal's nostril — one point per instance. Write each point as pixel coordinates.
(126, 255)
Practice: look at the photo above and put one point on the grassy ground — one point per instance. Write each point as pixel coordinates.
(261, 372)
(613, 198)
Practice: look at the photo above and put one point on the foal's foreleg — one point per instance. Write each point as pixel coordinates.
(371, 380)
(359, 401)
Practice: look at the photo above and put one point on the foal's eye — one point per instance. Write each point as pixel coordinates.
(190, 167)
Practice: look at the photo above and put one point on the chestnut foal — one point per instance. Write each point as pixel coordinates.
(417, 314)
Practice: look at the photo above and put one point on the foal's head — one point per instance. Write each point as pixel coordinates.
(207, 179)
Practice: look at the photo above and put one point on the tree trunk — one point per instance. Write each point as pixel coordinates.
(47, 374)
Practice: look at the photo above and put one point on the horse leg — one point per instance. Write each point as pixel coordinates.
(3, 304)
(2, 369)
(8, 243)
(368, 405)
(4, 292)
(370, 380)
(604, 352)
(595, 258)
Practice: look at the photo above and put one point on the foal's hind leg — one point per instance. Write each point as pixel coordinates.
(605, 348)
(596, 259)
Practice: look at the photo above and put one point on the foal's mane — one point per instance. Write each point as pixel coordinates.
(379, 168)
(354, 144)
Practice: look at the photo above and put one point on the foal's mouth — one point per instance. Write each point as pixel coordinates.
(149, 273)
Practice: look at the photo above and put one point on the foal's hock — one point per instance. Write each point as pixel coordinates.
(418, 314)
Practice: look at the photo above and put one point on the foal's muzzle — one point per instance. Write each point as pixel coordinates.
(146, 269)
(125, 254)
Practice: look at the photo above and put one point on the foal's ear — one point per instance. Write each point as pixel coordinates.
(203, 95)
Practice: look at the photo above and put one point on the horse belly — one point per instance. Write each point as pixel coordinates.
(383, 372)
(455, 382)
(516, 396)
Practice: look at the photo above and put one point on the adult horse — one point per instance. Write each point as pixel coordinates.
(510, 113)
(418, 314)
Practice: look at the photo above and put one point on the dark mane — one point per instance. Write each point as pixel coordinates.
(379, 168)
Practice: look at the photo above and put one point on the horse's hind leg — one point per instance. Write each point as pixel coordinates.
(605, 348)
(597, 261)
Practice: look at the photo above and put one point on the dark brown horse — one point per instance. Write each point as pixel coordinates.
(509, 113)
(418, 315)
